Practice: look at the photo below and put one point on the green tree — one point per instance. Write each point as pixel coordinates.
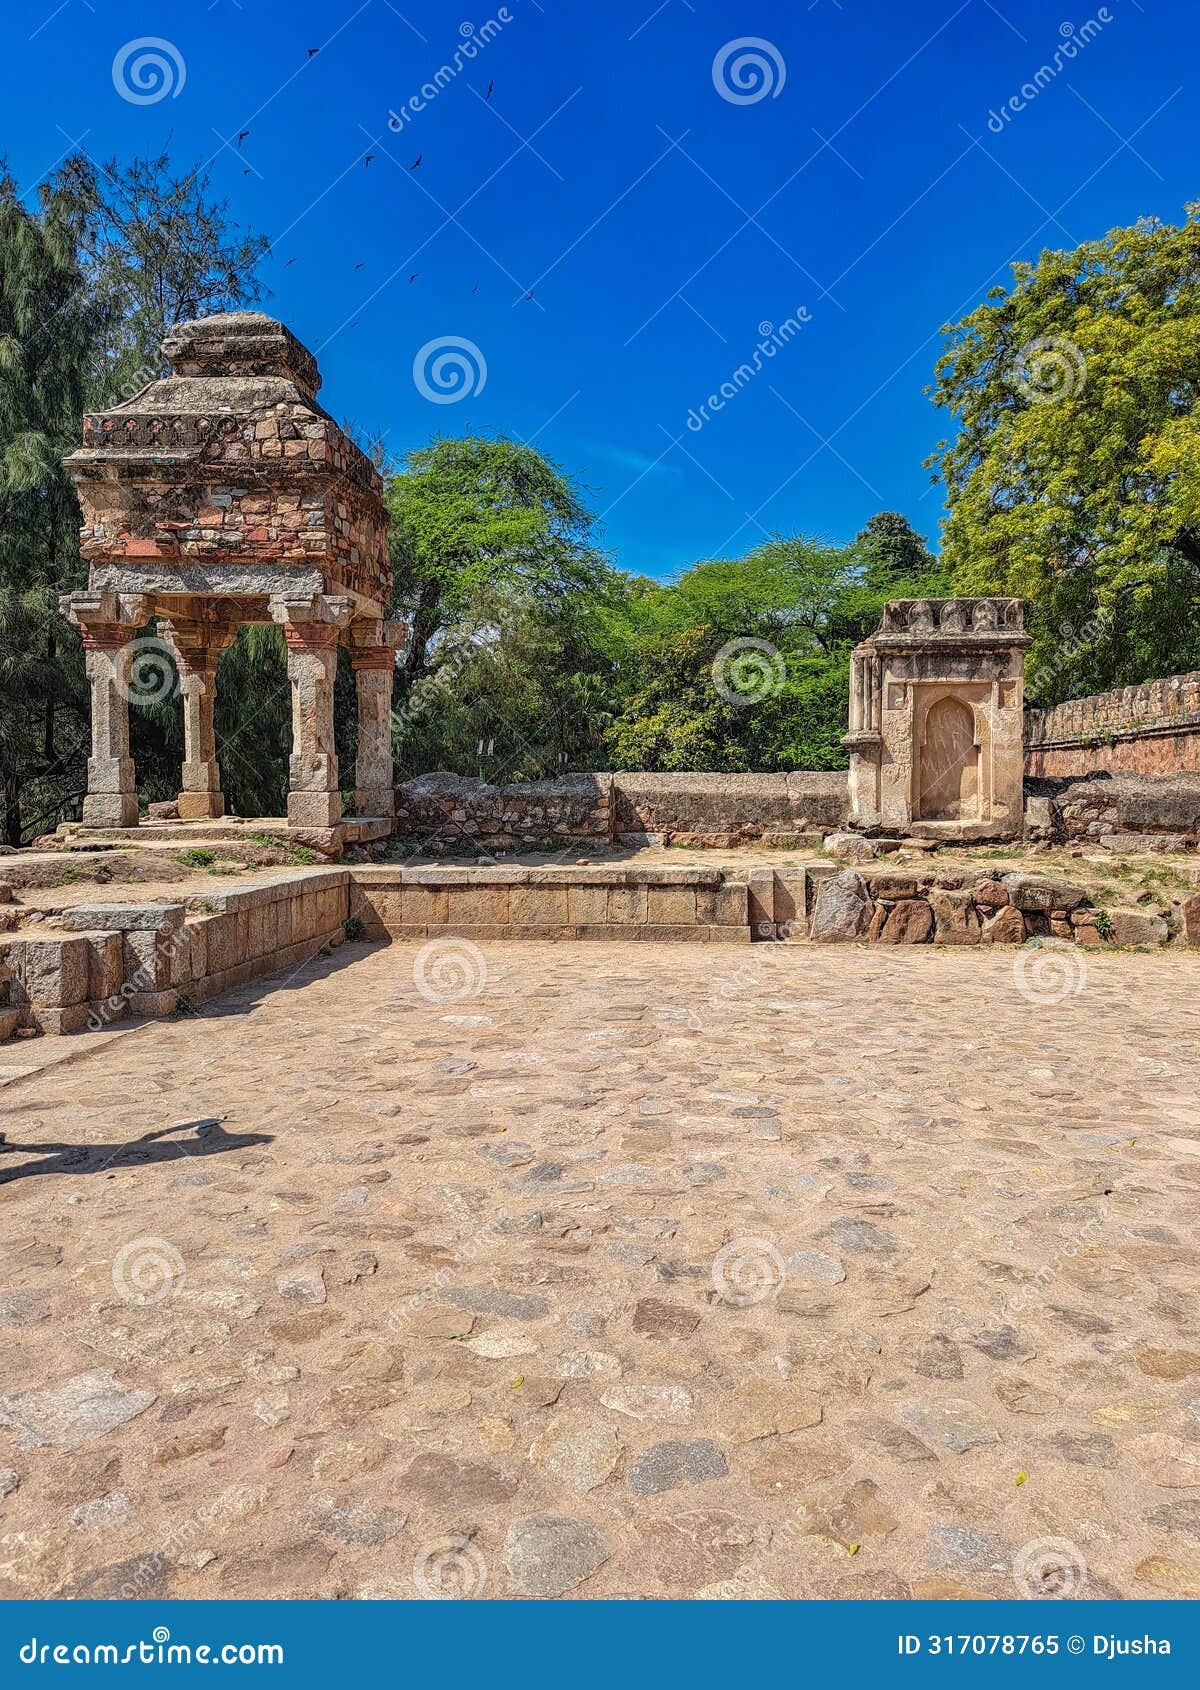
(156, 248)
(475, 516)
(46, 323)
(1074, 476)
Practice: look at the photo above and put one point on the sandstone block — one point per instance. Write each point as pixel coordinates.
(1005, 927)
(909, 923)
(48, 972)
(955, 919)
(1031, 892)
(843, 909)
(1137, 927)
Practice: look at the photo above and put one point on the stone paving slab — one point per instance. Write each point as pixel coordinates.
(529, 1270)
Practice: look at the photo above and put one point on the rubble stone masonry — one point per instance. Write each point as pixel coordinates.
(1153, 729)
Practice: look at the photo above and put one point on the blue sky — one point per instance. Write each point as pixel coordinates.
(868, 182)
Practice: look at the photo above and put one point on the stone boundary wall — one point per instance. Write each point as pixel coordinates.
(100, 962)
(1121, 813)
(452, 812)
(726, 810)
(1153, 729)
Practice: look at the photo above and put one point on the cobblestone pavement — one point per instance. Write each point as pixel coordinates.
(631, 1270)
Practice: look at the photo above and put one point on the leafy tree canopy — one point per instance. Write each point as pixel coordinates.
(1074, 477)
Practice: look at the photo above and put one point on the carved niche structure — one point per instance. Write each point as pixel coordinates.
(936, 720)
(223, 494)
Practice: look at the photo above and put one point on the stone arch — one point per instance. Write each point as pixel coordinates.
(948, 776)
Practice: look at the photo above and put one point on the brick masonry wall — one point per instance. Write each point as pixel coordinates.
(1153, 729)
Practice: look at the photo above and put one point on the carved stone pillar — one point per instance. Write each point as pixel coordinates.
(197, 649)
(310, 627)
(111, 799)
(372, 655)
(107, 622)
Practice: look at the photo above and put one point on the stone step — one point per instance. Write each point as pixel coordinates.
(10, 1020)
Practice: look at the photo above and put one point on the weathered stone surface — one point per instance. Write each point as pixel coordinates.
(956, 1424)
(1006, 927)
(938, 1358)
(678, 1461)
(910, 922)
(849, 848)
(843, 908)
(1177, 1578)
(358, 1522)
(954, 916)
(576, 1454)
(483, 1299)
(658, 1319)
(1031, 892)
(71, 1413)
(1169, 1461)
(438, 1479)
(1136, 927)
(550, 1554)
(671, 1403)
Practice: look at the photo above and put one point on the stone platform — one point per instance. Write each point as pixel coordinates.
(787, 1272)
(190, 835)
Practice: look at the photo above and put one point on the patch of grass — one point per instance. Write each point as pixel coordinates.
(352, 927)
(68, 877)
(1102, 922)
(196, 856)
(186, 1006)
(301, 855)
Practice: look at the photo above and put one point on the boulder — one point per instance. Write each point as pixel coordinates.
(909, 923)
(849, 848)
(1006, 927)
(955, 918)
(1137, 927)
(989, 895)
(1031, 892)
(843, 908)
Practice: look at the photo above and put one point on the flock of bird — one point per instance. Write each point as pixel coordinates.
(367, 161)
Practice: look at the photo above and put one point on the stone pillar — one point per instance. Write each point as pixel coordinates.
(111, 799)
(372, 653)
(310, 627)
(197, 650)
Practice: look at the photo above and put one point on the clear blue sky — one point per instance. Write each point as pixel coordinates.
(656, 222)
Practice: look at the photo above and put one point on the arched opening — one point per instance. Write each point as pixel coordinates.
(949, 766)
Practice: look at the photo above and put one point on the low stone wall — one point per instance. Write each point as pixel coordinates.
(453, 812)
(726, 810)
(96, 963)
(977, 907)
(697, 904)
(1153, 729)
(1122, 813)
